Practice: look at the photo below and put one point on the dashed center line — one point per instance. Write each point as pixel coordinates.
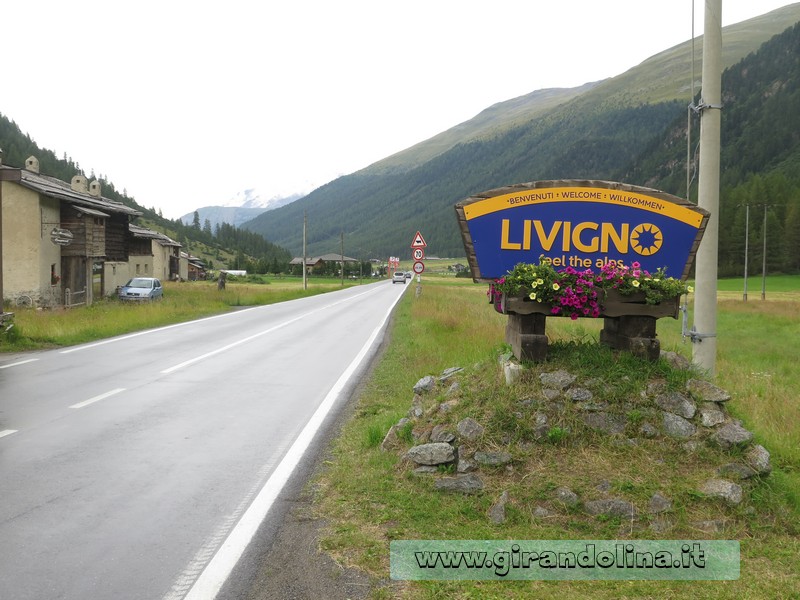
(97, 398)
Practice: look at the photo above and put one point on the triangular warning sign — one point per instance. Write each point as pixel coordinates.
(419, 241)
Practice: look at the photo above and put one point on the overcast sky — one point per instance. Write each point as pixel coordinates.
(185, 104)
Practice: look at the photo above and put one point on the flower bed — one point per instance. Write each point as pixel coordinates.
(629, 299)
(616, 290)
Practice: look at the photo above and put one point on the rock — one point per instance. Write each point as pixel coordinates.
(512, 372)
(421, 435)
(448, 373)
(711, 415)
(448, 406)
(440, 434)
(758, 458)
(425, 470)
(704, 391)
(497, 512)
(648, 431)
(426, 384)
(557, 380)
(578, 395)
(677, 427)
(722, 488)
(592, 406)
(436, 453)
(677, 404)
(659, 504)
(730, 435)
(661, 525)
(465, 484)
(453, 389)
(566, 496)
(541, 512)
(605, 422)
(492, 459)
(603, 486)
(470, 429)
(465, 465)
(611, 507)
(390, 440)
(736, 471)
(551, 395)
(675, 360)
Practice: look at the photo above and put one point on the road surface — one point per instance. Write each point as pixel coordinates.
(141, 466)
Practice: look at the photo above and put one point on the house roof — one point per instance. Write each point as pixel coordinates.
(143, 232)
(313, 260)
(61, 190)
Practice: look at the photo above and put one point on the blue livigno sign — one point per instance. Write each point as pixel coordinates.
(580, 224)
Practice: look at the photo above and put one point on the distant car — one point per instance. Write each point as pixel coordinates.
(408, 274)
(141, 289)
(399, 276)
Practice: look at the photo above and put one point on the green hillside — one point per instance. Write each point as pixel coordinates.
(596, 132)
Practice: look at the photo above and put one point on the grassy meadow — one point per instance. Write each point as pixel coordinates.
(368, 497)
(36, 329)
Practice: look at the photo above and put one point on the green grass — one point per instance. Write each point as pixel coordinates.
(370, 497)
(183, 301)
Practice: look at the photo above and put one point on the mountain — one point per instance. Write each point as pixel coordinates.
(243, 207)
(598, 131)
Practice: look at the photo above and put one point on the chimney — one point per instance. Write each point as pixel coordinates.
(79, 184)
(32, 164)
(94, 188)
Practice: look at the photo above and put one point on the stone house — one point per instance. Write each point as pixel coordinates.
(56, 238)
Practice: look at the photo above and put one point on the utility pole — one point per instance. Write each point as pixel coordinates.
(764, 259)
(305, 281)
(746, 245)
(704, 349)
(342, 234)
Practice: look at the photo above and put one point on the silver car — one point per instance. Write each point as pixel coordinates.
(141, 289)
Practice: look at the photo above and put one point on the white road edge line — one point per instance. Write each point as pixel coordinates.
(149, 331)
(6, 432)
(217, 571)
(191, 361)
(97, 398)
(21, 362)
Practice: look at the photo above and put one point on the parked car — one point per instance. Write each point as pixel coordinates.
(141, 289)
(399, 276)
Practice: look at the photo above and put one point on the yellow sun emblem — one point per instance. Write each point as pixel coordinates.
(646, 239)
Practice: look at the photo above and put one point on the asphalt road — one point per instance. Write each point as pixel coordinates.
(141, 466)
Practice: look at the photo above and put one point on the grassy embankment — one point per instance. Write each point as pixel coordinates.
(369, 497)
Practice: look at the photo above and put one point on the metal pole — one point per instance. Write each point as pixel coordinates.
(305, 281)
(746, 245)
(342, 237)
(764, 259)
(704, 350)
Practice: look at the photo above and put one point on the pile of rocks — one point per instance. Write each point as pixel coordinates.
(692, 417)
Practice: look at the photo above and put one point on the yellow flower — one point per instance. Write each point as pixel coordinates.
(635, 283)
(532, 296)
(556, 287)
(539, 281)
(690, 289)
